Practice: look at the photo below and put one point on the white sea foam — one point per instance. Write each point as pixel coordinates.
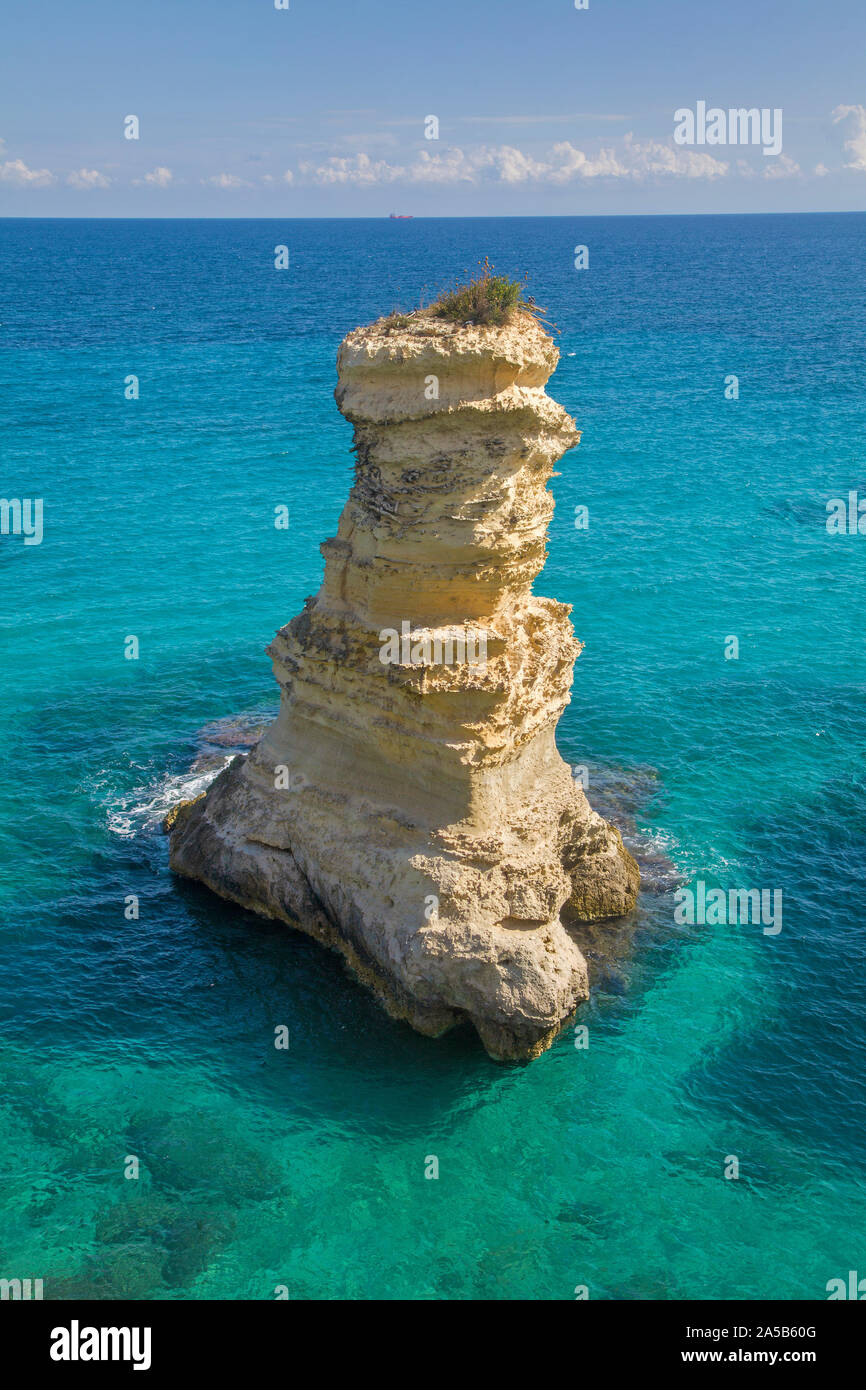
(144, 808)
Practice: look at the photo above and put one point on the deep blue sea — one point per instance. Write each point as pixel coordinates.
(153, 1038)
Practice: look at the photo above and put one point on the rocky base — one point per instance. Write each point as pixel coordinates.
(499, 956)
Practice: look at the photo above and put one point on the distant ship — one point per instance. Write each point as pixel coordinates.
(401, 216)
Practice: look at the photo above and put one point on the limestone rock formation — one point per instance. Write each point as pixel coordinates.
(409, 806)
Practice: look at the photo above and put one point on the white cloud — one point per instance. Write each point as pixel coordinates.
(633, 159)
(88, 178)
(16, 171)
(783, 167)
(357, 169)
(510, 165)
(452, 167)
(568, 162)
(852, 119)
(657, 157)
(780, 167)
(563, 164)
(160, 177)
(226, 181)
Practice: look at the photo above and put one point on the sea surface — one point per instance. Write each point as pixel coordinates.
(153, 1038)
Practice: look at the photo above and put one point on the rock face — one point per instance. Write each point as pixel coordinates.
(409, 806)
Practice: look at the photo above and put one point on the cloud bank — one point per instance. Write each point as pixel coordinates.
(564, 163)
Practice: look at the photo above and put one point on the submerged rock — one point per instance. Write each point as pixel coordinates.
(408, 807)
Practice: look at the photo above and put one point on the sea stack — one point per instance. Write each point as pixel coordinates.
(409, 807)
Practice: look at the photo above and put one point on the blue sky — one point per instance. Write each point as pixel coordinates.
(319, 110)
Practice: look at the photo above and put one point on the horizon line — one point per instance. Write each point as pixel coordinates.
(422, 217)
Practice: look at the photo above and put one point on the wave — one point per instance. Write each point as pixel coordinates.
(144, 808)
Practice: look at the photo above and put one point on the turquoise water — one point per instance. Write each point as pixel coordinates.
(154, 1038)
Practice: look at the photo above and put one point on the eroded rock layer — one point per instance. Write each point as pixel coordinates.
(409, 806)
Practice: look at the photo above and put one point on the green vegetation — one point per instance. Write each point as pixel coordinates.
(486, 298)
